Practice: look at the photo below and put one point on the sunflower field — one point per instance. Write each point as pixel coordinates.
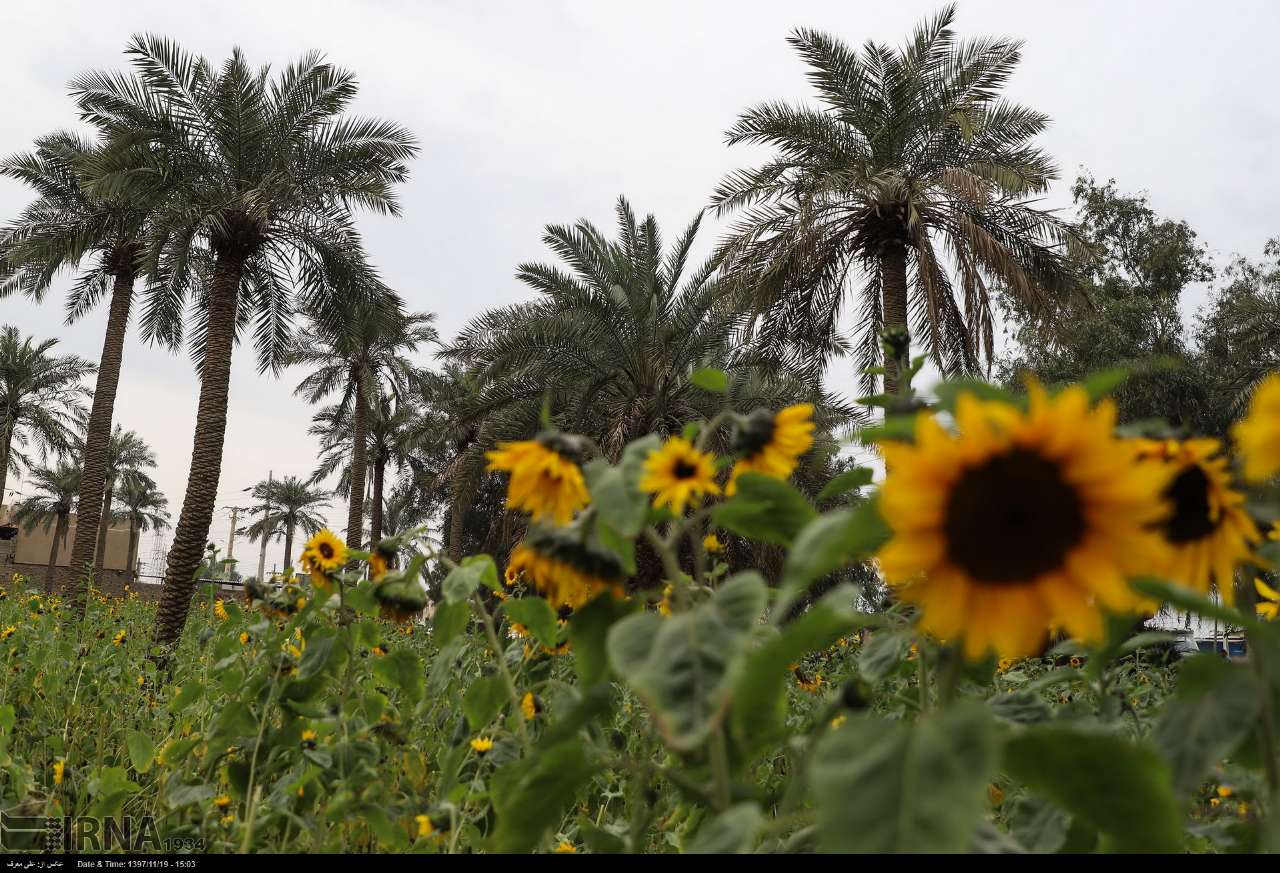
(1003, 696)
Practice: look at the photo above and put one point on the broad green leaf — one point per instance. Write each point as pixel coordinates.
(532, 794)
(483, 700)
(142, 751)
(449, 621)
(589, 630)
(829, 542)
(615, 491)
(1039, 825)
(322, 655)
(1212, 713)
(684, 666)
(1119, 787)
(891, 786)
(764, 509)
(187, 695)
(402, 668)
(1021, 707)
(850, 480)
(536, 615)
(467, 577)
(7, 718)
(185, 795)
(733, 832)
(710, 379)
(883, 653)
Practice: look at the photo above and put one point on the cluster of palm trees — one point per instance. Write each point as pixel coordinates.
(219, 202)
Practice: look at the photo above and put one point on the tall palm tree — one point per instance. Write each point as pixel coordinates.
(128, 457)
(294, 504)
(57, 489)
(100, 238)
(40, 399)
(912, 163)
(363, 358)
(145, 508)
(266, 171)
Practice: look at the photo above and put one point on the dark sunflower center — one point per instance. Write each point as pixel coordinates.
(1012, 519)
(1189, 494)
(326, 551)
(684, 470)
(753, 432)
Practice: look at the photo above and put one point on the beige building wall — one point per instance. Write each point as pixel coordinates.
(33, 547)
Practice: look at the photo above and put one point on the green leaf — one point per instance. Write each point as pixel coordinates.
(589, 630)
(949, 392)
(1119, 787)
(142, 751)
(710, 379)
(764, 509)
(467, 577)
(402, 668)
(186, 795)
(483, 700)
(733, 832)
(7, 718)
(530, 795)
(322, 655)
(1021, 707)
(615, 491)
(760, 694)
(890, 786)
(1100, 384)
(1212, 712)
(187, 695)
(827, 543)
(1039, 825)
(684, 666)
(850, 480)
(882, 654)
(536, 615)
(449, 621)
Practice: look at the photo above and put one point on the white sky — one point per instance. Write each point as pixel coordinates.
(538, 112)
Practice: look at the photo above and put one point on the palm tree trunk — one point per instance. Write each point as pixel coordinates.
(6, 447)
(97, 438)
(893, 272)
(375, 511)
(359, 454)
(457, 525)
(288, 547)
(131, 571)
(192, 531)
(59, 534)
(100, 553)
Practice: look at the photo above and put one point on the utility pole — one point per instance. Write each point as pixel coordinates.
(266, 510)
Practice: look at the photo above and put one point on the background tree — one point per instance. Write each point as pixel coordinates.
(56, 489)
(362, 359)
(128, 457)
(294, 503)
(912, 162)
(143, 507)
(40, 399)
(100, 237)
(265, 172)
(1128, 314)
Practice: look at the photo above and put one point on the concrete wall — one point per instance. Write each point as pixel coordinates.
(33, 548)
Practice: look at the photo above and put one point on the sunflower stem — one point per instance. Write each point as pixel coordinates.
(509, 680)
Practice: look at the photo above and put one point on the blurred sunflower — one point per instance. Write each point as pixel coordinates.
(567, 572)
(324, 553)
(1022, 521)
(678, 474)
(1207, 528)
(1257, 435)
(1268, 600)
(771, 444)
(546, 481)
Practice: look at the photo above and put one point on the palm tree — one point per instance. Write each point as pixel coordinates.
(128, 457)
(294, 503)
(266, 172)
(363, 358)
(40, 398)
(912, 162)
(63, 228)
(57, 489)
(144, 508)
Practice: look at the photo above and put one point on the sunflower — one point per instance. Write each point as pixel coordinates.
(771, 444)
(1022, 521)
(568, 573)
(1257, 436)
(530, 706)
(324, 553)
(546, 481)
(119, 638)
(1268, 600)
(480, 745)
(59, 770)
(712, 544)
(1207, 528)
(678, 474)
(510, 576)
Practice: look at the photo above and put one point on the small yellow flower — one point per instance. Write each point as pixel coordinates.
(220, 609)
(565, 848)
(546, 481)
(1213, 801)
(1075, 661)
(227, 821)
(119, 638)
(481, 745)
(664, 605)
(142, 680)
(530, 706)
(379, 651)
(59, 770)
(425, 827)
(1006, 664)
(838, 721)
(1224, 791)
(1257, 436)
(8, 632)
(678, 474)
(1242, 809)
(222, 801)
(324, 553)
(309, 739)
(712, 544)
(772, 444)
(244, 638)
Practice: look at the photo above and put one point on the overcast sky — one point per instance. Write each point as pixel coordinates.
(537, 112)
